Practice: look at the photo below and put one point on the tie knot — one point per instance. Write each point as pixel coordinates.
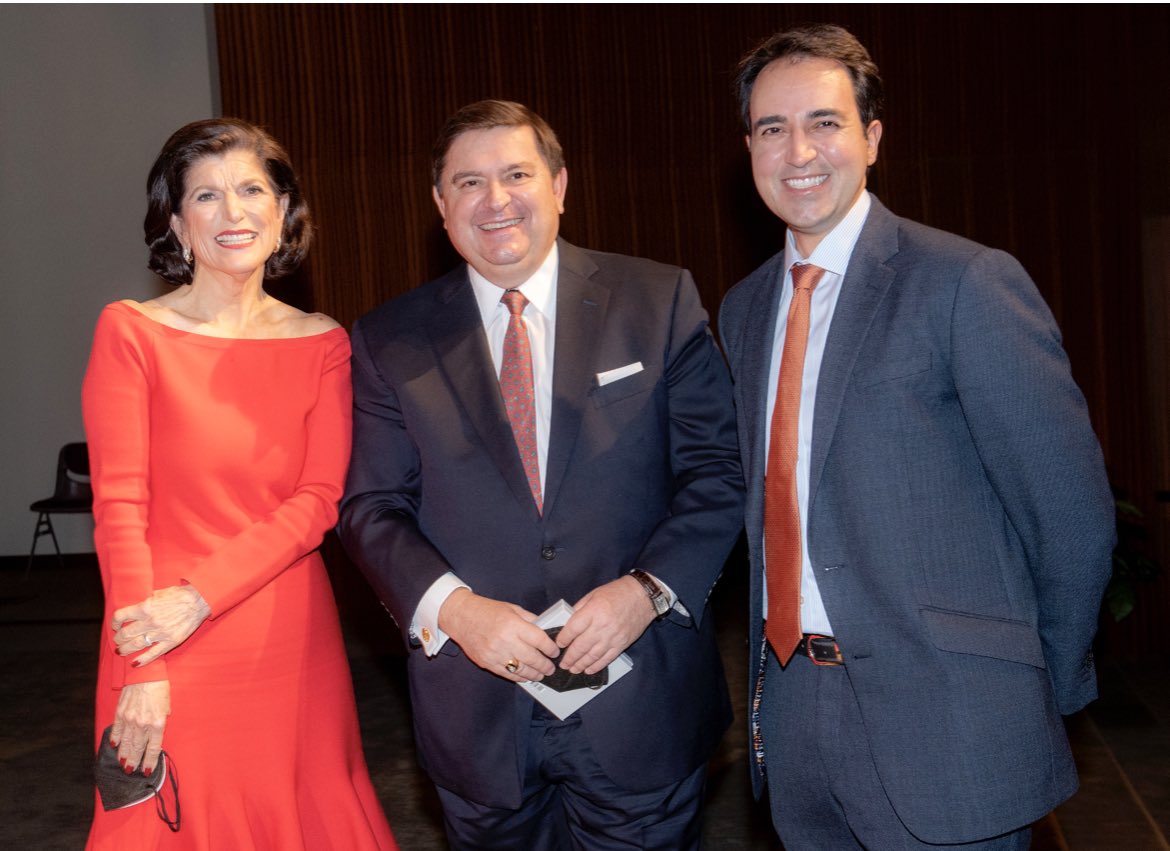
(806, 276)
(514, 300)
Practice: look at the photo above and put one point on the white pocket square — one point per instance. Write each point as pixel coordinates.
(612, 375)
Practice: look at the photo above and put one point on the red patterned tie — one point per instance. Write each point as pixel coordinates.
(782, 549)
(516, 386)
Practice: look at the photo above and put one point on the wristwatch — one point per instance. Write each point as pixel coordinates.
(654, 592)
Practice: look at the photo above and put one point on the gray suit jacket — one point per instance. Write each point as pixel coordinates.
(960, 522)
(642, 472)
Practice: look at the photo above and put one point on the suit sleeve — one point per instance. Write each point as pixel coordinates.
(1031, 429)
(116, 408)
(259, 553)
(379, 514)
(687, 550)
(729, 331)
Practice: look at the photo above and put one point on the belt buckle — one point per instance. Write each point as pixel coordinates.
(821, 655)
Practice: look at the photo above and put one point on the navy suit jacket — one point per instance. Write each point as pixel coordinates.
(642, 472)
(960, 523)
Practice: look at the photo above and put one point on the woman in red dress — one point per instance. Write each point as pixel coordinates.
(218, 421)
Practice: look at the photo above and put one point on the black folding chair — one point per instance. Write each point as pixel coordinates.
(72, 495)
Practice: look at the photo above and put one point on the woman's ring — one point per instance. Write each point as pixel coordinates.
(511, 666)
(146, 642)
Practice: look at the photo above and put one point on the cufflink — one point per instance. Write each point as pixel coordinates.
(426, 635)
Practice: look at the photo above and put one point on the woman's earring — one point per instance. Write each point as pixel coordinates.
(187, 256)
(278, 242)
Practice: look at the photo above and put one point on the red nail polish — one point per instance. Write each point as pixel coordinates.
(129, 769)
(122, 760)
(146, 772)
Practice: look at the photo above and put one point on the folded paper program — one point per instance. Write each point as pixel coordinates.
(564, 697)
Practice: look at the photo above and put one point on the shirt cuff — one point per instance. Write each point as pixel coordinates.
(424, 627)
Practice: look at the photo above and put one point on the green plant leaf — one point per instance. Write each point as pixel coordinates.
(1120, 598)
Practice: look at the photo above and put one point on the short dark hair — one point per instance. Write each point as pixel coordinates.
(166, 185)
(822, 41)
(486, 114)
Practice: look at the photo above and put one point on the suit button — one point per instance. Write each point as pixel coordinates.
(548, 553)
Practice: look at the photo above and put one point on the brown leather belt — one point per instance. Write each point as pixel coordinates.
(822, 649)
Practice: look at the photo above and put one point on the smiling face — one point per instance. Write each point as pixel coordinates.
(500, 202)
(231, 215)
(809, 149)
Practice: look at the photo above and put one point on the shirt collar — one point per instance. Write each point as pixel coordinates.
(833, 252)
(540, 289)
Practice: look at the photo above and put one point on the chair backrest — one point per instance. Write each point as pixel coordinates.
(73, 473)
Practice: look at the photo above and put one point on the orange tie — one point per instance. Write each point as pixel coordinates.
(781, 510)
(517, 389)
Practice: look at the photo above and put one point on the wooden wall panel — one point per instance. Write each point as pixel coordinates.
(1042, 131)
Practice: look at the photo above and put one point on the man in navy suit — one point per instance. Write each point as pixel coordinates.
(952, 524)
(612, 482)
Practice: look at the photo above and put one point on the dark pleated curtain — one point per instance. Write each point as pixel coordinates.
(1042, 131)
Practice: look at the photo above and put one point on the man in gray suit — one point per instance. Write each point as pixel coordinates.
(933, 535)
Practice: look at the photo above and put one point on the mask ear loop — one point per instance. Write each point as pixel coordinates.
(160, 806)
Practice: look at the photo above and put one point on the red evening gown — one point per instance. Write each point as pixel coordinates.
(219, 463)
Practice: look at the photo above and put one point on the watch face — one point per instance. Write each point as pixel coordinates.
(661, 607)
(657, 598)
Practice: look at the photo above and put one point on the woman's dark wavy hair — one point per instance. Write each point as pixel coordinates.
(166, 185)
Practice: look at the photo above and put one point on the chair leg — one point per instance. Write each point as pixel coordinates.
(44, 527)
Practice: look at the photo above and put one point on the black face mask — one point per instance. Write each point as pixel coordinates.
(119, 790)
(562, 680)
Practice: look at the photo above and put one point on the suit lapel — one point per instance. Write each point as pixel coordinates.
(581, 306)
(456, 331)
(866, 283)
(760, 328)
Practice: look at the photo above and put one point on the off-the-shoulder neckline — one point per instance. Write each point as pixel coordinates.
(170, 330)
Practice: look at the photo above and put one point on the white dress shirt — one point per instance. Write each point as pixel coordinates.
(832, 255)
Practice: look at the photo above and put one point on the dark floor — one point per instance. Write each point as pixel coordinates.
(49, 627)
